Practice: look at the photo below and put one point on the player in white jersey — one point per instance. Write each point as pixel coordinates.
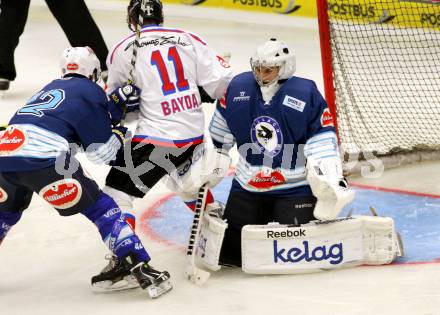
(170, 67)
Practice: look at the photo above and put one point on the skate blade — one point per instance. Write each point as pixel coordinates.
(108, 286)
(154, 291)
(400, 247)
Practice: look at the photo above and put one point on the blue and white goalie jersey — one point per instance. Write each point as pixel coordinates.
(274, 139)
(67, 111)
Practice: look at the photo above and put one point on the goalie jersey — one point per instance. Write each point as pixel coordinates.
(67, 111)
(274, 139)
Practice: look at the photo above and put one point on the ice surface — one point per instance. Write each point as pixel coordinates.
(46, 261)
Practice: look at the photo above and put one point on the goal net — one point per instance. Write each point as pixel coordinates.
(381, 64)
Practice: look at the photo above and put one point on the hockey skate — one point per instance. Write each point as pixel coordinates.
(4, 86)
(116, 276)
(120, 275)
(153, 281)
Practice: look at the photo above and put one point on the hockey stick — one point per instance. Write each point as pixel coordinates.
(135, 50)
(192, 272)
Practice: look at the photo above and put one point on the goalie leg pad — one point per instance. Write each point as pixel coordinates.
(210, 241)
(317, 246)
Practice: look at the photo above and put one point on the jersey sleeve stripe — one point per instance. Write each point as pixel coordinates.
(105, 153)
(220, 131)
(167, 142)
(40, 143)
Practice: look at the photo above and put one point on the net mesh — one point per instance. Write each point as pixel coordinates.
(386, 63)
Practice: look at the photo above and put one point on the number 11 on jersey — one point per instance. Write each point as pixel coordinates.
(169, 87)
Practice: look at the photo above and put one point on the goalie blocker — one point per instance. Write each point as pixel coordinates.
(316, 246)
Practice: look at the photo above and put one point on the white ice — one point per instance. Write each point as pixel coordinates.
(46, 261)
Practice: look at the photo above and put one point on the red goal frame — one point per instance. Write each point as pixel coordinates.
(326, 58)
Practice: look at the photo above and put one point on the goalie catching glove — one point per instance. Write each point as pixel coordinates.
(329, 187)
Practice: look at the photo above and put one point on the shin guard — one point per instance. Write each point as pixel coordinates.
(114, 229)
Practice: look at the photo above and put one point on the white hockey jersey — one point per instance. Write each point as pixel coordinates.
(170, 64)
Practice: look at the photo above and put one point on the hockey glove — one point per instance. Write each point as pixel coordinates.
(133, 101)
(119, 100)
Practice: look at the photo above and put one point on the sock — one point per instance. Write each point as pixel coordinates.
(114, 229)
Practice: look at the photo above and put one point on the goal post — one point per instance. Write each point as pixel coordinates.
(381, 68)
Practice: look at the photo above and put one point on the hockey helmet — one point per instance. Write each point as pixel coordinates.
(275, 55)
(153, 11)
(80, 60)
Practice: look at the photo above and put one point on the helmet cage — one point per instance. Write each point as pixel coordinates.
(262, 71)
(273, 53)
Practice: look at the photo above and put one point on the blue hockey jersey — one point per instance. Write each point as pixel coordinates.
(274, 139)
(67, 111)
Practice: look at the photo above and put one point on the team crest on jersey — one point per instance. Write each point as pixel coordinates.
(266, 134)
(3, 195)
(326, 118)
(264, 181)
(11, 140)
(62, 194)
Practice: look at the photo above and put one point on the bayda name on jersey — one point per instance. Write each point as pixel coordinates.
(179, 104)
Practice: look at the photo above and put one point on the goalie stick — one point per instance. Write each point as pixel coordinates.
(192, 272)
(135, 49)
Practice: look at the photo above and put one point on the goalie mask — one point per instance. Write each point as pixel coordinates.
(273, 61)
(153, 13)
(80, 60)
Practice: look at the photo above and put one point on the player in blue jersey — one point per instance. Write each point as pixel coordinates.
(37, 155)
(278, 121)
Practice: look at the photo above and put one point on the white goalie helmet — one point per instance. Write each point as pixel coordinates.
(80, 60)
(273, 53)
